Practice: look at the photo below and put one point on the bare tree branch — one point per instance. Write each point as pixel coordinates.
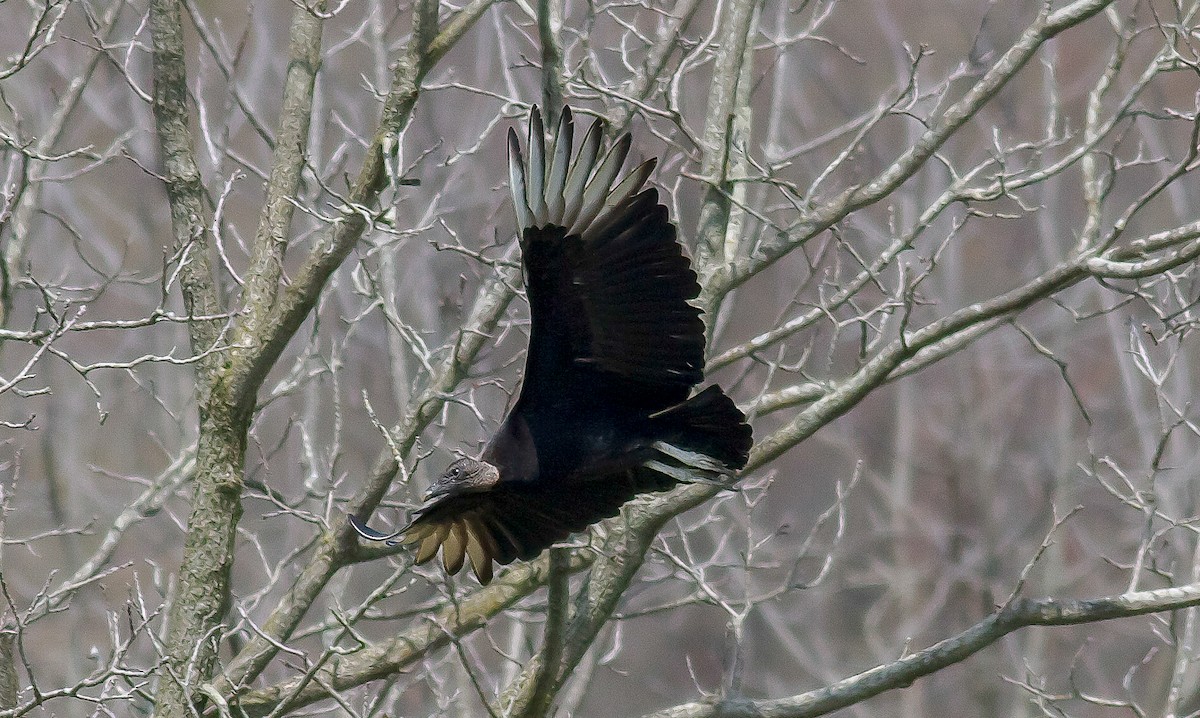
(1021, 613)
(1047, 26)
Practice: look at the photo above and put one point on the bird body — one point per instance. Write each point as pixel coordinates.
(605, 410)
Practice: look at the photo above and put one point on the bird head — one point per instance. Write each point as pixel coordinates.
(466, 475)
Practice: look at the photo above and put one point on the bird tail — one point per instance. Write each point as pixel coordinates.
(705, 438)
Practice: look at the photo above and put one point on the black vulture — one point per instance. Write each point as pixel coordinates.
(605, 410)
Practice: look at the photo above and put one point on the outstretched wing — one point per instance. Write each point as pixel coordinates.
(607, 280)
(516, 521)
(614, 351)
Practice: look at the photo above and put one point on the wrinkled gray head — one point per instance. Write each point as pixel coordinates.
(466, 475)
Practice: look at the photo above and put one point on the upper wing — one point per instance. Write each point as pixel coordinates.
(607, 280)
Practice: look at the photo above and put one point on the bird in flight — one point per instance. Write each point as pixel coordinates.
(605, 411)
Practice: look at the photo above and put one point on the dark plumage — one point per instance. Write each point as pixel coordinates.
(614, 351)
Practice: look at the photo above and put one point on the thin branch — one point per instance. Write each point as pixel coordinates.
(291, 143)
(1047, 26)
(546, 667)
(902, 672)
(388, 657)
(184, 189)
(355, 216)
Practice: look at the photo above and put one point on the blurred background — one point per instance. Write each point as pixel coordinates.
(903, 521)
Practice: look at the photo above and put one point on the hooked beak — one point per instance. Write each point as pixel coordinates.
(441, 487)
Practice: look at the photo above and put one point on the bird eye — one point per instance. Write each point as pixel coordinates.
(455, 472)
